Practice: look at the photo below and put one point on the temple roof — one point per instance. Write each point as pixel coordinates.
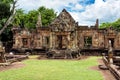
(65, 16)
(63, 22)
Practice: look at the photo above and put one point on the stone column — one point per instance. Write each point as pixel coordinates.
(110, 53)
(76, 39)
(28, 43)
(53, 40)
(68, 41)
(42, 40)
(51, 35)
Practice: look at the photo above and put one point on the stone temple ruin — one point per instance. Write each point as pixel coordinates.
(65, 33)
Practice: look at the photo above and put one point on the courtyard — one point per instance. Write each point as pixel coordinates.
(55, 69)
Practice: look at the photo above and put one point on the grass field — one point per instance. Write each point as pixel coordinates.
(54, 70)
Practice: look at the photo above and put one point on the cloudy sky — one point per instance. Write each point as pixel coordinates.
(83, 11)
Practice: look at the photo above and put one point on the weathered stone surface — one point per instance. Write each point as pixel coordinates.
(2, 52)
(65, 33)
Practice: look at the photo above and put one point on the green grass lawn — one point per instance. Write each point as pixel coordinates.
(54, 70)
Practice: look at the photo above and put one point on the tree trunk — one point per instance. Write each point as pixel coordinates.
(10, 19)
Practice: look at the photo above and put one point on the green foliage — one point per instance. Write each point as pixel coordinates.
(7, 34)
(29, 19)
(54, 70)
(4, 14)
(19, 18)
(7, 1)
(26, 20)
(47, 15)
(115, 25)
(23, 19)
(105, 25)
(4, 10)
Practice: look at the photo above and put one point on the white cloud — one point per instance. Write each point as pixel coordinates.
(105, 11)
(77, 7)
(55, 4)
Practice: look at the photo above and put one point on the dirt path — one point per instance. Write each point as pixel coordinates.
(12, 66)
(106, 73)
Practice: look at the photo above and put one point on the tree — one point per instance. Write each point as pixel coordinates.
(47, 15)
(29, 19)
(115, 25)
(4, 17)
(4, 13)
(105, 25)
(19, 18)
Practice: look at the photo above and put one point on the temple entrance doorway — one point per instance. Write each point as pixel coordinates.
(112, 42)
(25, 42)
(61, 41)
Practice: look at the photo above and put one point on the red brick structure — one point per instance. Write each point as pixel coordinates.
(64, 32)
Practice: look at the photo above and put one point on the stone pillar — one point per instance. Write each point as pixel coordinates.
(55, 41)
(76, 40)
(97, 24)
(110, 53)
(51, 39)
(42, 40)
(68, 41)
(29, 42)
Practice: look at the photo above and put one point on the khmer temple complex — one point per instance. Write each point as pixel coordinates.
(65, 33)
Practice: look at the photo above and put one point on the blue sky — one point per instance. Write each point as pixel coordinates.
(83, 11)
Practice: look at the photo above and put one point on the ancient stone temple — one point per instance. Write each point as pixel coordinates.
(65, 33)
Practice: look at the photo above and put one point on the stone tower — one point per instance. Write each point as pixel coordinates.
(97, 24)
(39, 22)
